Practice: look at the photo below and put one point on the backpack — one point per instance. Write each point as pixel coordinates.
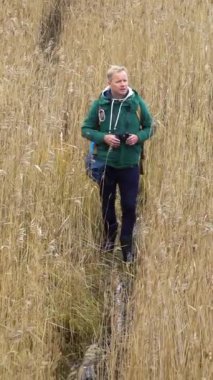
(95, 167)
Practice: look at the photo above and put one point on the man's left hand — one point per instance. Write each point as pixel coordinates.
(132, 140)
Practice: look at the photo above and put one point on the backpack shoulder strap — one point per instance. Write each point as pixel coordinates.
(138, 112)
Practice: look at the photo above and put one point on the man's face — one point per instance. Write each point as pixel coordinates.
(119, 84)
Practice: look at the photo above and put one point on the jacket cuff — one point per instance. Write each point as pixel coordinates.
(100, 137)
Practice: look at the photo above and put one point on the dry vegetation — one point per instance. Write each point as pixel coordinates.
(52, 280)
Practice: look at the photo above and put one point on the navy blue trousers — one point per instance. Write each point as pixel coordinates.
(127, 181)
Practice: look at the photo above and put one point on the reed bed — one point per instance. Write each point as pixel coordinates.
(52, 285)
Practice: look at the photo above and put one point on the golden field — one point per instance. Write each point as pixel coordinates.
(54, 287)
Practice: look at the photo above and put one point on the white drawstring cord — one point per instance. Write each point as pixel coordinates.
(110, 122)
(118, 115)
(119, 111)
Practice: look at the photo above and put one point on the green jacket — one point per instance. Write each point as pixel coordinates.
(129, 115)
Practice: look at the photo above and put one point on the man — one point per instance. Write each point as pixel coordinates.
(119, 122)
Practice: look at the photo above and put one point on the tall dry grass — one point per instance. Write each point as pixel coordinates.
(52, 280)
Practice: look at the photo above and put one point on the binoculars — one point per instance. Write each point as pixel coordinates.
(123, 137)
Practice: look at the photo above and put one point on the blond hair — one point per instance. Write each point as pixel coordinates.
(115, 69)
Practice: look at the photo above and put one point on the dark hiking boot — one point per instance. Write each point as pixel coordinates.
(108, 244)
(127, 251)
(129, 257)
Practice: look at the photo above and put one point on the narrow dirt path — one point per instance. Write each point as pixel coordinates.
(116, 323)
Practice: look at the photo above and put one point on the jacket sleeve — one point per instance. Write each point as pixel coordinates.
(146, 122)
(90, 127)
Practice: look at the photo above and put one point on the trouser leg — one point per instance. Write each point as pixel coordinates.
(108, 196)
(128, 185)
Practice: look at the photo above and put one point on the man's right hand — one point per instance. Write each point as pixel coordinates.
(112, 141)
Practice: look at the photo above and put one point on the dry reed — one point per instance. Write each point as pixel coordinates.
(52, 280)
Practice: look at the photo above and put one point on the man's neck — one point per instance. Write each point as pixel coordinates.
(117, 96)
